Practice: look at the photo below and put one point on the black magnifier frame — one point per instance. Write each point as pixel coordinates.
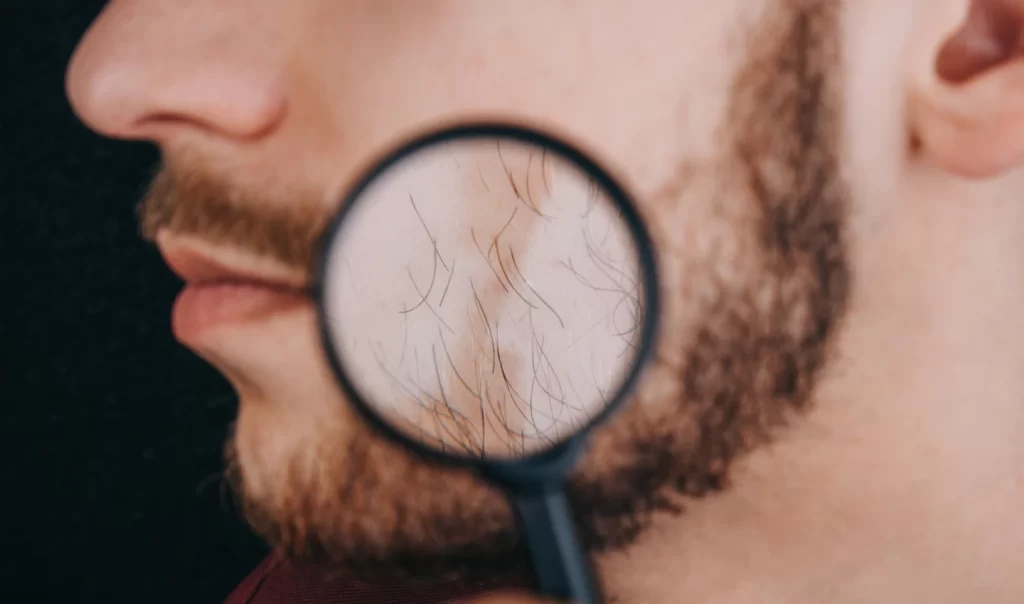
(534, 482)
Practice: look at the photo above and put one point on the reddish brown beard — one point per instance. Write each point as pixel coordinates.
(747, 370)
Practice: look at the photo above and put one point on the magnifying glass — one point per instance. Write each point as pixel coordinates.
(487, 295)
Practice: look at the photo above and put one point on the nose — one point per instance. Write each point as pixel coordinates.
(154, 70)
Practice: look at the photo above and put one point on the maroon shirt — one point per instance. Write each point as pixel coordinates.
(276, 581)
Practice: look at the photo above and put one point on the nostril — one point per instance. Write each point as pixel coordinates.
(226, 98)
(125, 85)
(147, 101)
(246, 120)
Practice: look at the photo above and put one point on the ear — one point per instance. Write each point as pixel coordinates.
(967, 85)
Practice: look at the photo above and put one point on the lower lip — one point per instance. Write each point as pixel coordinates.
(201, 308)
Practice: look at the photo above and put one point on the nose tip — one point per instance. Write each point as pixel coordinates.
(140, 79)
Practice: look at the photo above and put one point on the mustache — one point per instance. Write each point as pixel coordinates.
(282, 223)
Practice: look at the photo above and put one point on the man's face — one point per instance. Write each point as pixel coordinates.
(835, 399)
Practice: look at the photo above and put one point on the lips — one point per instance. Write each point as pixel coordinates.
(221, 293)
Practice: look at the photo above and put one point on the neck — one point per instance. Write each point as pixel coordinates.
(766, 541)
(874, 496)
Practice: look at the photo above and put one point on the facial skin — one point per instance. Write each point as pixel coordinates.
(833, 412)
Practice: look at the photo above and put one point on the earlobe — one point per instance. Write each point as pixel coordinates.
(967, 86)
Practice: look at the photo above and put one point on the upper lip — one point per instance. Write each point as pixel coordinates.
(198, 268)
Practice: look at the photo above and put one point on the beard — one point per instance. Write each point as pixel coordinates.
(749, 317)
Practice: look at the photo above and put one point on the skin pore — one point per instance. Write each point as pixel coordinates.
(839, 300)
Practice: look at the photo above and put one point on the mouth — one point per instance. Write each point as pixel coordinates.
(226, 289)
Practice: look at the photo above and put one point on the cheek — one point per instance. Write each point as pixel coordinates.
(470, 63)
(705, 240)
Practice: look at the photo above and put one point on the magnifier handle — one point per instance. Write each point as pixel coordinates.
(563, 570)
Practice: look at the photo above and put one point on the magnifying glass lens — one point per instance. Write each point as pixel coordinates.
(485, 297)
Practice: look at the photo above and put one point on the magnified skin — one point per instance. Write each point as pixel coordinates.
(500, 312)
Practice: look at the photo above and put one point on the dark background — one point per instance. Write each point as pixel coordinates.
(112, 432)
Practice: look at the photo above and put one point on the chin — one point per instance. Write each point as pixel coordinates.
(327, 490)
(323, 487)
